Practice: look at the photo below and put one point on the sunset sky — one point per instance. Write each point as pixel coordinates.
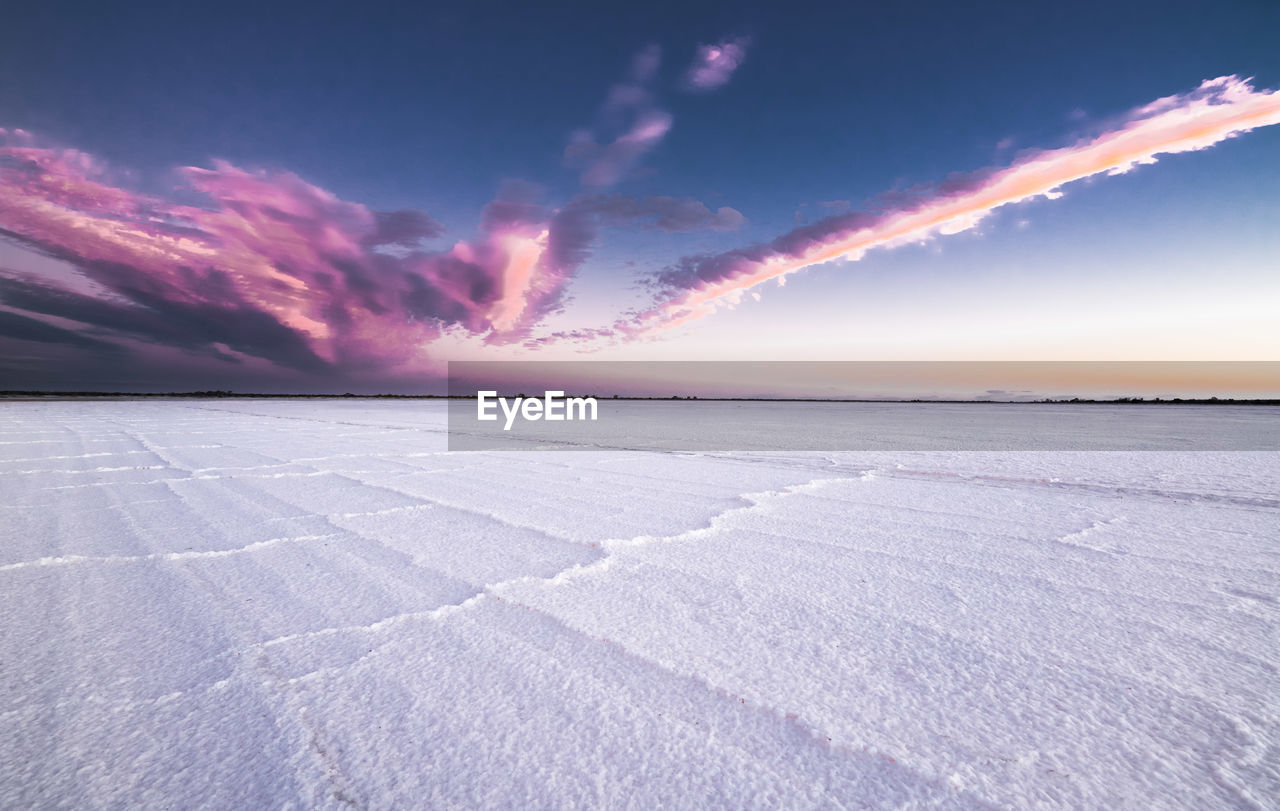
(333, 197)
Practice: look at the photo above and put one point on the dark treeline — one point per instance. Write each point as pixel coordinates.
(225, 394)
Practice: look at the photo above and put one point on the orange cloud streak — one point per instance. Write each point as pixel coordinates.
(1217, 110)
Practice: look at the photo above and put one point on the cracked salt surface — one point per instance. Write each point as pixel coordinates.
(311, 604)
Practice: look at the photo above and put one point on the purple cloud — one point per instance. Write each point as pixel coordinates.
(574, 228)
(402, 229)
(714, 65)
(675, 215)
(269, 267)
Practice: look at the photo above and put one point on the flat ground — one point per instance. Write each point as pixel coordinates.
(252, 604)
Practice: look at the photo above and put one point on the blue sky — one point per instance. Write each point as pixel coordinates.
(470, 113)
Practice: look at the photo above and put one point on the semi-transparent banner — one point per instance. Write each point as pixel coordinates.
(864, 406)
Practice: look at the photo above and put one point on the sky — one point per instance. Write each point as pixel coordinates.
(332, 197)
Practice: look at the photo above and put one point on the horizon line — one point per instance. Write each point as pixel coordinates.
(217, 394)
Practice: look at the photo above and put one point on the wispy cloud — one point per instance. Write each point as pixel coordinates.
(714, 65)
(674, 215)
(632, 125)
(1218, 109)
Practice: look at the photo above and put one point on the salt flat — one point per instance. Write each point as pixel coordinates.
(310, 604)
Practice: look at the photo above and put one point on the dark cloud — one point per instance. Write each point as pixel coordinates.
(25, 328)
(405, 228)
(146, 312)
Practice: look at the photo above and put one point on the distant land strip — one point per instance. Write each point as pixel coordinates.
(231, 395)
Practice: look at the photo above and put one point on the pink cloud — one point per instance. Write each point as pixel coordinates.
(714, 65)
(271, 266)
(1218, 109)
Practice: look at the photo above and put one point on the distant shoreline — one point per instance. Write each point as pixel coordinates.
(227, 395)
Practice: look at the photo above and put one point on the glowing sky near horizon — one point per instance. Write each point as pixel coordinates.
(672, 196)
